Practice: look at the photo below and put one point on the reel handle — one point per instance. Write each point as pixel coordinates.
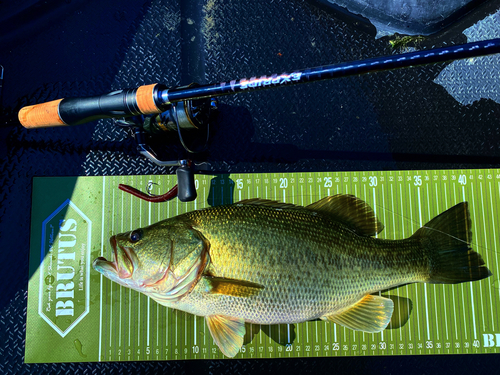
(185, 181)
(74, 111)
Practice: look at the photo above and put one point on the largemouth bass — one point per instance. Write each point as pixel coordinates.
(265, 262)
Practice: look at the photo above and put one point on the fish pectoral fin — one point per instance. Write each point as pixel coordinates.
(351, 211)
(371, 314)
(228, 333)
(232, 287)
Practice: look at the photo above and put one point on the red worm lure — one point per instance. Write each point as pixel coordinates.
(171, 194)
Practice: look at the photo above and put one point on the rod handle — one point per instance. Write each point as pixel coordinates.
(74, 111)
(41, 115)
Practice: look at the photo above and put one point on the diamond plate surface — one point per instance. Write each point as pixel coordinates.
(475, 79)
(393, 120)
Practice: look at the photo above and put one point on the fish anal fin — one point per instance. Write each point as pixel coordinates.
(402, 310)
(351, 211)
(232, 287)
(371, 314)
(228, 333)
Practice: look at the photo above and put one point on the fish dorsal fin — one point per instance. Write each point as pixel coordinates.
(345, 208)
(228, 333)
(232, 287)
(351, 211)
(269, 203)
(371, 314)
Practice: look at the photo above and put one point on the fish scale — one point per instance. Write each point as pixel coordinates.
(271, 247)
(264, 262)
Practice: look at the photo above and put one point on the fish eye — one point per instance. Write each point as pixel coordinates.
(135, 235)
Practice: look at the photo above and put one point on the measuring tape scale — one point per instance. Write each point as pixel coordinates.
(445, 319)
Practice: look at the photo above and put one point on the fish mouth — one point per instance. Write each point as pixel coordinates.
(105, 267)
(122, 265)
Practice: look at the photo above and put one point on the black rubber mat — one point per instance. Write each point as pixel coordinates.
(394, 120)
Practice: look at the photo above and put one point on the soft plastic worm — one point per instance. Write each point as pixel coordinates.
(171, 194)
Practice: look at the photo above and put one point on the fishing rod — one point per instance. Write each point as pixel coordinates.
(156, 108)
(1, 85)
(156, 98)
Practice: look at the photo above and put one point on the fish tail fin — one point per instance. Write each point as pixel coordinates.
(447, 242)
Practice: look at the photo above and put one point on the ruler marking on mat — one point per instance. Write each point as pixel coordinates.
(101, 277)
(127, 326)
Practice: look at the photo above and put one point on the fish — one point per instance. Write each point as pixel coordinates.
(264, 262)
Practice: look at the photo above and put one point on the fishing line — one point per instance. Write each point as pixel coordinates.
(476, 245)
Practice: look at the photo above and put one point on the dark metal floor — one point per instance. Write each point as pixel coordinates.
(394, 120)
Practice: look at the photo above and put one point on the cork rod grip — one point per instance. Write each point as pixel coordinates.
(145, 99)
(73, 111)
(41, 115)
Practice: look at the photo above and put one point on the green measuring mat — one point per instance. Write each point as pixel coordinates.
(77, 315)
